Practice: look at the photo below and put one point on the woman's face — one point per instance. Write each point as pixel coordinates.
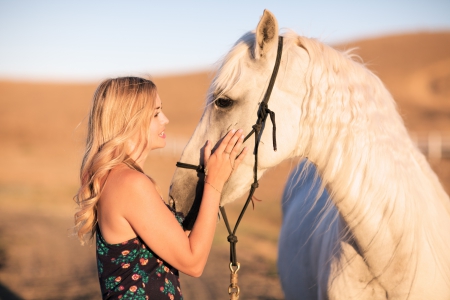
(157, 136)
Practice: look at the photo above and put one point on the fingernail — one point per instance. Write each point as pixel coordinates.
(233, 130)
(242, 137)
(240, 130)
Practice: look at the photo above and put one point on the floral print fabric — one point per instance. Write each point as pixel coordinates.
(130, 270)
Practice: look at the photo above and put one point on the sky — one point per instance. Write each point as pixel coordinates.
(88, 40)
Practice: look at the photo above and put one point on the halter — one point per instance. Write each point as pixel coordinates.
(257, 129)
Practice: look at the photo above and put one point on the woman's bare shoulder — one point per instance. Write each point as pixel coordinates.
(125, 190)
(123, 180)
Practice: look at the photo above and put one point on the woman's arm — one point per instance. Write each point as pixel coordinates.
(156, 225)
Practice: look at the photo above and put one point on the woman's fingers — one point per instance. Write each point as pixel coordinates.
(225, 141)
(232, 143)
(240, 158)
(226, 158)
(237, 146)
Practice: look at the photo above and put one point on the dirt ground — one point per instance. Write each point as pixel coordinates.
(41, 137)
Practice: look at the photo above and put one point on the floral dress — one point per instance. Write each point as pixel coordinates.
(130, 270)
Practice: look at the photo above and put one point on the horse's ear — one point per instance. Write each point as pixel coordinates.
(266, 34)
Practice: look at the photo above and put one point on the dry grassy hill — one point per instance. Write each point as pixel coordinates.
(41, 135)
(416, 69)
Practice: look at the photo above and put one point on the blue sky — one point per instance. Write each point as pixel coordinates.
(82, 40)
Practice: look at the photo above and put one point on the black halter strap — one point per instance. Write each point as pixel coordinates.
(257, 129)
(198, 168)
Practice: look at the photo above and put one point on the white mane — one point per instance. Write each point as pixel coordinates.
(380, 161)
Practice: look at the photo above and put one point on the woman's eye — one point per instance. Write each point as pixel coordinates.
(224, 102)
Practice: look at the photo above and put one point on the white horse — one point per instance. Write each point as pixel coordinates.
(385, 232)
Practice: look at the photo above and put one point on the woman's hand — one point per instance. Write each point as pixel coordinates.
(225, 159)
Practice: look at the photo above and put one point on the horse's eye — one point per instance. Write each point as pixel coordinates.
(224, 102)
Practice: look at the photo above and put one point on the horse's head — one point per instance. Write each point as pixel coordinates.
(233, 102)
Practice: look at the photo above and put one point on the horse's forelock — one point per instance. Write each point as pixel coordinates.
(229, 70)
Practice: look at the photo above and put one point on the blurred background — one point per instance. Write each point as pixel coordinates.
(53, 54)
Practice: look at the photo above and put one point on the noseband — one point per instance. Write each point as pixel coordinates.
(257, 129)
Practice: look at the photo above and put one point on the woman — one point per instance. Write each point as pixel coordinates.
(140, 243)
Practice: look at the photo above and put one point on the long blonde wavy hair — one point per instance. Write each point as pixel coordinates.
(122, 108)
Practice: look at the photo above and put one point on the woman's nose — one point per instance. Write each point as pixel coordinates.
(165, 119)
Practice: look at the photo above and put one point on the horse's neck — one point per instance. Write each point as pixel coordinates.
(382, 186)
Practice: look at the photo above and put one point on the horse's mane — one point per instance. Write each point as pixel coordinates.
(356, 137)
(369, 154)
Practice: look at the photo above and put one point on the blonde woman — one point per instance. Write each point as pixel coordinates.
(140, 243)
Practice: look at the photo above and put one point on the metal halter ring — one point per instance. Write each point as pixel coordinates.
(237, 268)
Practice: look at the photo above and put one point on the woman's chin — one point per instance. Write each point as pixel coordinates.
(159, 146)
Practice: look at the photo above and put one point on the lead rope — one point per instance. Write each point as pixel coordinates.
(257, 129)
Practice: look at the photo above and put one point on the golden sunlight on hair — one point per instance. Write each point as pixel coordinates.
(122, 109)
